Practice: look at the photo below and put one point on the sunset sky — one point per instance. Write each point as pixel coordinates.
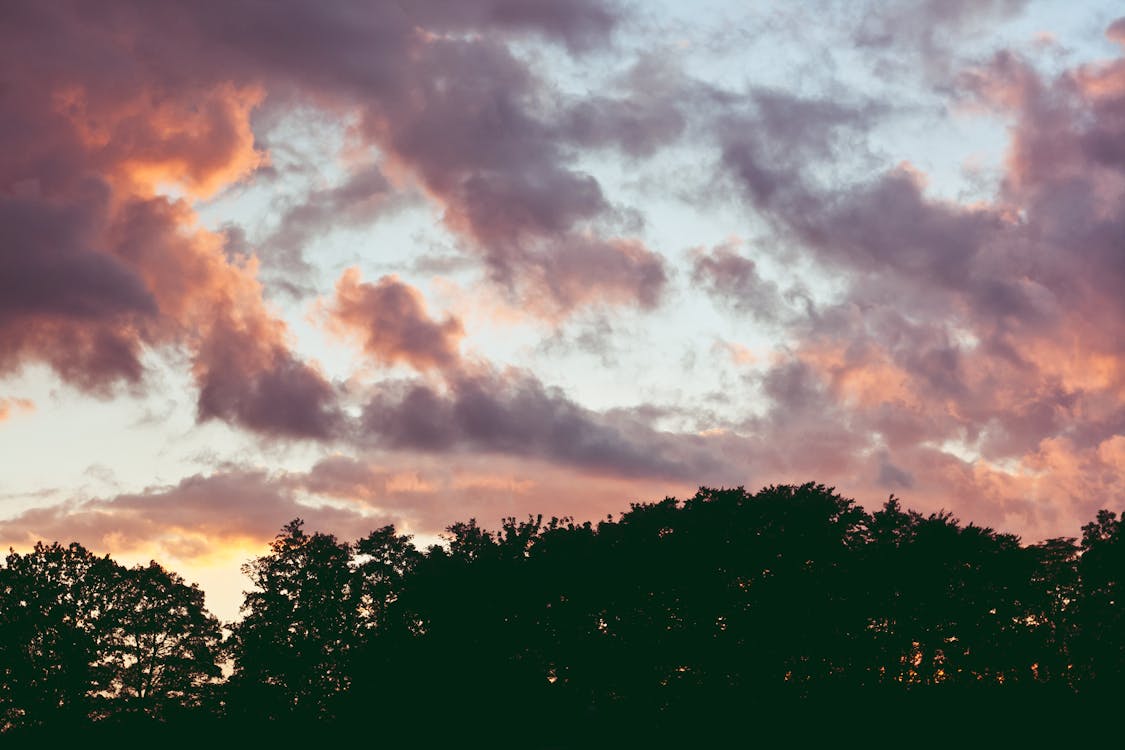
(416, 262)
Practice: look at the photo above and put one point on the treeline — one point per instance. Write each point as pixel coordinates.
(729, 604)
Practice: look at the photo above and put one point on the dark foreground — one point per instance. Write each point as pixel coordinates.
(791, 613)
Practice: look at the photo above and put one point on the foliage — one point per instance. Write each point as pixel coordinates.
(725, 603)
(81, 637)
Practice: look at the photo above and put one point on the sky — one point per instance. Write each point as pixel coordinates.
(371, 263)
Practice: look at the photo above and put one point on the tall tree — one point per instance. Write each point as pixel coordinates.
(157, 641)
(300, 621)
(51, 602)
(383, 561)
(1100, 647)
(1052, 604)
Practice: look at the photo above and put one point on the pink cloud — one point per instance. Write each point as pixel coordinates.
(390, 320)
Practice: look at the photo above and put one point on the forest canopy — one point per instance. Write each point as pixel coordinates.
(673, 610)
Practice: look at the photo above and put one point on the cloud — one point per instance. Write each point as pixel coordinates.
(459, 114)
(263, 387)
(1116, 31)
(580, 24)
(902, 35)
(194, 518)
(733, 280)
(365, 195)
(512, 413)
(972, 357)
(99, 266)
(426, 494)
(651, 110)
(62, 299)
(390, 319)
(976, 345)
(582, 270)
(774, 144)
(202, 516)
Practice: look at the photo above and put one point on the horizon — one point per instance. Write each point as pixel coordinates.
(540, 521)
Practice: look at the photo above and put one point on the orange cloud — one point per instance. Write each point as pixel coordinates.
(199, 140)
(192, 520)
(109, 266)
(864, 377)
(390, 320)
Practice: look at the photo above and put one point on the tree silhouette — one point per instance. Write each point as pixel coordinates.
(1100, 643)
(300, 620)
(725, 608)
(1051, 607)
(157, 642)
(51, 602)
(382, 561)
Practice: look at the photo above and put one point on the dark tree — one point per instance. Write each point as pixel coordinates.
(383, 562)
(52, 601)
(157, 642)
(1052, 602)
(726, 610)
(1100, 614)
(291, 649)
